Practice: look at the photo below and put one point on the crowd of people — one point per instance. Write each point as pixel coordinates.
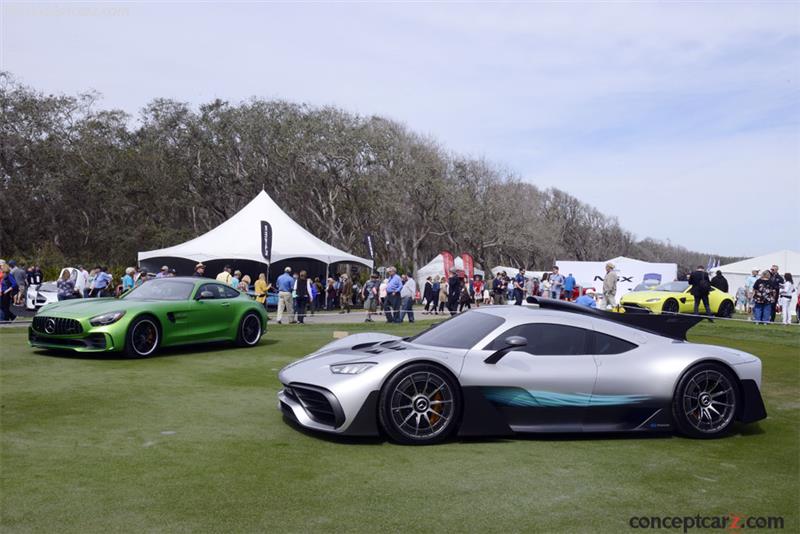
(764, 295)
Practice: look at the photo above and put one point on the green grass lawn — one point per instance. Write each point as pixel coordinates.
(193, 441)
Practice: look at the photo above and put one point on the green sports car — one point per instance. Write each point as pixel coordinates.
(159, 313)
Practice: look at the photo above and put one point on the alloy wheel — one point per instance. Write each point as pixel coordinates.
(422, 405)
(251, 329)
(144, 337)
(709, 401)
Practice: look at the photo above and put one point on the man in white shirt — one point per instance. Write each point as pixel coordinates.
(407, 295)
(82, 281)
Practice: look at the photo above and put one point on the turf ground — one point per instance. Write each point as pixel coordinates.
(192, 441)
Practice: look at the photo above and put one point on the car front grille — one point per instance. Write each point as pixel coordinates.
(320, 404)
(56, 326)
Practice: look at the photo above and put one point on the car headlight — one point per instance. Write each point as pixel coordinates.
(106, 318)
(657, 299)
(351, 368)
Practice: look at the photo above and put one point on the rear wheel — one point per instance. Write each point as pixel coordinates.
(420, 404)
(142, 338)
(670, 306)
(725, 309)
(705, 401)
(249, 333)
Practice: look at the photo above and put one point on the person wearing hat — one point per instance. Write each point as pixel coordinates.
(610, 286)
(587, 299)
(371, 294)
(225, 276)
(199, 270)
(163, 272)
(285, 285)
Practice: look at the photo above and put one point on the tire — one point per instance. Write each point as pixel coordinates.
(706, 401)
(143, 337)
(420, 405)
(249, 332)
(670, 306)
(725, 309)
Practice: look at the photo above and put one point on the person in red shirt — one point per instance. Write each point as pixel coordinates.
(477, 288)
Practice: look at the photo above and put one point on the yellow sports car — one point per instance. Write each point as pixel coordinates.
(675, 297)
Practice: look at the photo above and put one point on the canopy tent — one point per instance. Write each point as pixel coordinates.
(512, 272)
(436, 268)
(788, 261)
(630, 272)
(239, 240)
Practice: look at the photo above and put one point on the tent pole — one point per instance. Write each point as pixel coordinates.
(325, 285)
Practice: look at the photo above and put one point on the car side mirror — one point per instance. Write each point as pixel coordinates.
(205, 295)
(511, 343)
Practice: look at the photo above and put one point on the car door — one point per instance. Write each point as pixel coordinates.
(212, 318)
(686, 300)
(627, 394)
(544, 386)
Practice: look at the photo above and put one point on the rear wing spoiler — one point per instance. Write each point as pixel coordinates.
(665, 324)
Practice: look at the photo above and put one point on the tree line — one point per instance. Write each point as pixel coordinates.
(85, 184)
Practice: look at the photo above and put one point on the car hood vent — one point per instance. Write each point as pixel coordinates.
(362, 346)
(387, 346)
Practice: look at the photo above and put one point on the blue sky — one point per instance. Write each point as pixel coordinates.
(682, 119)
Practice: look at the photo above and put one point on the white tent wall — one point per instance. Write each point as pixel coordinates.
(435, 268)
(239, 238)
(630, 272)
(512, 272)
(788, 261)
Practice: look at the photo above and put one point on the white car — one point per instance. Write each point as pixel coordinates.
(47, 292)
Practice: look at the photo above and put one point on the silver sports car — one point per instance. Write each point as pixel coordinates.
(555, 367)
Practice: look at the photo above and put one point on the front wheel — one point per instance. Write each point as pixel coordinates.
(420, 405)
(142, 338)
(249, 333)
(670, 306)
(705, 401)
(725, 309)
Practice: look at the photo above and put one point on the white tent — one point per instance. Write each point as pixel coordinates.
(788, 261)
(512, 272)
(630, 272)
(239, 238)
(436, 268)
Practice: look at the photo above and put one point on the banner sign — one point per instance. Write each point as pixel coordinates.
(469, 264)
(266, 241)
(448, 261)
(368, 240)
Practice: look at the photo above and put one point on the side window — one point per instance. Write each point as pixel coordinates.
(605, 344)
(229, 292)
(548, 339)
(212, 288)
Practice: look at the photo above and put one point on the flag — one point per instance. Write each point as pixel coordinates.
(370, 249)
(469, 264)
(449, 262)
(266, 241)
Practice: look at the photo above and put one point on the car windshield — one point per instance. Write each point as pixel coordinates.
(161, 290)
(674, 287)
(461, 332)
